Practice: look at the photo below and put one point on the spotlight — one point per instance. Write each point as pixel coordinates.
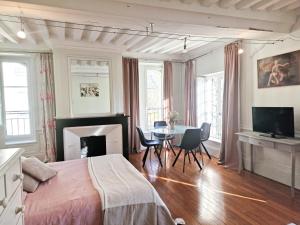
(21, 33)
(240, 51)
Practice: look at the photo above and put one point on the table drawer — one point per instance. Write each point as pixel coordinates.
(13, 178)
(262, 143)
(14, 210)
(3, 200)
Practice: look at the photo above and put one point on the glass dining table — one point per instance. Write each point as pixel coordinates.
(167, 132)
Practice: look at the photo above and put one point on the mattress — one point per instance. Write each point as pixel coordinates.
(67, 199)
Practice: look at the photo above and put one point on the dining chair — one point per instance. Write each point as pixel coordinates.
(190, 141)
(148, 144)
(204, 136)
(163, 137)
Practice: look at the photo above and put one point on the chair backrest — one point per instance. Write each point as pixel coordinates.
(205, 131)
(190, 139)
(142, 136)
(160, 124)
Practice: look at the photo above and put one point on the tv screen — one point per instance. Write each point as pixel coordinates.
(274, 120)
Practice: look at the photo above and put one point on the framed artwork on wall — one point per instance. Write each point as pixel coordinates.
(280, 70)
(89, 87)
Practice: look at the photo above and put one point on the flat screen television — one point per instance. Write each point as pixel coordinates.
(275, 121)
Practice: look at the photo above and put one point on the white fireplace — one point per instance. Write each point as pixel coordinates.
(72, 136)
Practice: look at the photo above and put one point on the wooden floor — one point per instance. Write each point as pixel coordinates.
(217, 195)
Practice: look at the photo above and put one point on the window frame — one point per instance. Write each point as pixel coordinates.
(220, 107)
(28, 62)
(147, 66)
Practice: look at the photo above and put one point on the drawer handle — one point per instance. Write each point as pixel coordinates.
(18, 177)
(3, 203)
(20, 209)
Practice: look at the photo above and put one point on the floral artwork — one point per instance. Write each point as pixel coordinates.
(89, 90)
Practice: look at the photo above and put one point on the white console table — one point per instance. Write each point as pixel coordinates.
(291, 145)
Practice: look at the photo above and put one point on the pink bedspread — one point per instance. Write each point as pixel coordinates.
(67, 199)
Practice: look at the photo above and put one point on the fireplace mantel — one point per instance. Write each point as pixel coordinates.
(62, 123)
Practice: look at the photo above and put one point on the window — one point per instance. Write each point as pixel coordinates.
(16, 107)
(151, 93)
(209, 102)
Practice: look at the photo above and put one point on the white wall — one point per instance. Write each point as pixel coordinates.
(62, 82)
(210, 63)
(269, 163)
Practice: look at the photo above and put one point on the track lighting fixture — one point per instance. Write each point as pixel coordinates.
(184, 46)
(151, 27)
(21, 33)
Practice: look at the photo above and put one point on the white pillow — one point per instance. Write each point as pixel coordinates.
(37, 169)
(29, 183)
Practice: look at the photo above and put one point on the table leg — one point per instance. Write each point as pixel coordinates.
(251, 158)
(293, 173)
(240, 152)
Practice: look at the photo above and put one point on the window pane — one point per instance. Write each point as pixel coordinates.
(14, 74)
(16, 99)
(154, 95)
(210, 101)
(17, 123)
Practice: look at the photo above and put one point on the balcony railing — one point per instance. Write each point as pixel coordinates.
(17, 123)
(153, 114)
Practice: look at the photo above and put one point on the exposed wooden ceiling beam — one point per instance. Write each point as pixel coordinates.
(43, 27)
(244, 4)
(291, 6)
(208, 3)
(158, 45)
(148, 43)
(227, 3)
(263, 4)
(131, 42)
(76, 32)
(6, 32)
(29, 32)
(106, 36)
(281, 5)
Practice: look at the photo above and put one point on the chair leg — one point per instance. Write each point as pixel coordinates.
(206, 150)
(158, 156)
(171, 147)
(184, 160)
(177, 157)
(196, 160)
(145, 156)
(188, 153)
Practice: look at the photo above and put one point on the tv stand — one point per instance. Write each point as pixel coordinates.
(290, 145)
(272, 135)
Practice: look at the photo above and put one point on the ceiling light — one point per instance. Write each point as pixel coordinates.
(240, 51)
(21, 33)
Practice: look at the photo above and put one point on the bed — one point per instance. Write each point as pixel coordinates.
(100, 190)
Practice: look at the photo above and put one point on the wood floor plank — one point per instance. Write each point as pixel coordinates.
(219, 196)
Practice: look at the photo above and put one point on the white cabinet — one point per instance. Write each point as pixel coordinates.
(11, 189)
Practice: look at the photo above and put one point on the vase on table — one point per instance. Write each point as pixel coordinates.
(172, 124)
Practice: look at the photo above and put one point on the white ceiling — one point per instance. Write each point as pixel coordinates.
(216, 19)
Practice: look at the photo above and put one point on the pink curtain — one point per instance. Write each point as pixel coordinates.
(168, 89)
(47, 97)
(190, 94)
(131, 99)
(231, 107)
